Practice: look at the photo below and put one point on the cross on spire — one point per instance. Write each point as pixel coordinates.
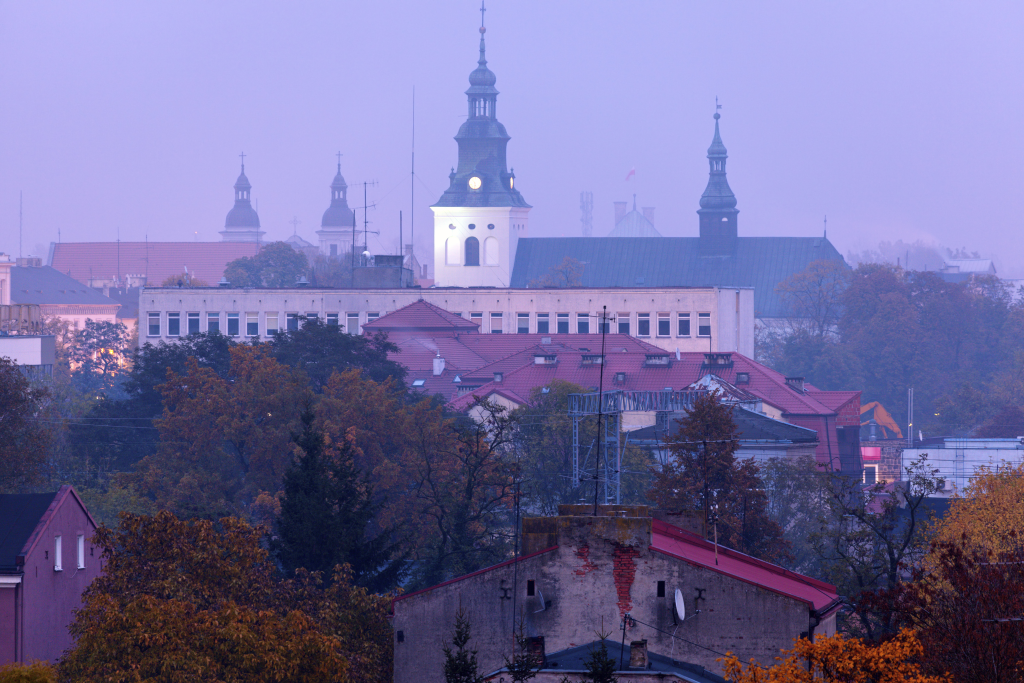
(482, 10)
(242, 156)
(294, 222)
(339, 161)
(717, 105)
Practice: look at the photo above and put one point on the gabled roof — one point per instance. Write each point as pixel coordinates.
(155, 260)
(24, 518)
(573, 661)
(421, 315)
(45, 285)
(759, 262)
(694, 549)
(634, 224)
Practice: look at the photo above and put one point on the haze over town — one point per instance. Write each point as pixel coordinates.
(896, 121)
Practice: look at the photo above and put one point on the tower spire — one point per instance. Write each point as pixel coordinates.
(483, 49)
(718, 203)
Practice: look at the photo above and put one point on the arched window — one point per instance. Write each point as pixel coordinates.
(472, 252)
(491, 251)
(451, 251)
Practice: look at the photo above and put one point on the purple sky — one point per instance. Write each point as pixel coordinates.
(897, 120)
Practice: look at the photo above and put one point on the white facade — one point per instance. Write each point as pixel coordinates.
(459, 262)
(672, 318)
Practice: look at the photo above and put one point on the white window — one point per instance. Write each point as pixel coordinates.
(154, 324)
(643, 324)
(623, 320)
(491, 251)
(664, 325)
(496, 326)
(523, 323)
(213, 322)
(583, 323)
(332, 319)
(703, 324)
(271, 324)
(252, 324)
(57, 554)
(81, 551)
(352, 326)
(370, 317)
(684, 325)
(173, 324)
(452, 251)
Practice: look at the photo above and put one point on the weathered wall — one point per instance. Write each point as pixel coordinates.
(602, 568)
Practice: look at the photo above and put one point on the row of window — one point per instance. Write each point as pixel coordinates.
(177, 326)
(58, 553)
(453, 251)
(647, 324)
(559, 323)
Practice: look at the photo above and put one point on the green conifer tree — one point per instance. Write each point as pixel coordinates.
(600, 666)
(460, 665)
(327, 512)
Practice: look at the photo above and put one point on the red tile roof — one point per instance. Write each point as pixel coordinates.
(156, 260)
(692, 548)
(420, 316)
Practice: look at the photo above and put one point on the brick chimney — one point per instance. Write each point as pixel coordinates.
(534, 647)
(795, 383)
(638, 654)
(620, 211)
(648, 212)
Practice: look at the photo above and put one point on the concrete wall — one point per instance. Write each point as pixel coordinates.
(602, 568)
(630, 303)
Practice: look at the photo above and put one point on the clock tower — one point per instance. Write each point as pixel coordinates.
(481, 216)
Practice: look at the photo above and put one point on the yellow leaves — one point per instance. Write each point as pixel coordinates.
(836, 659)
(991, 512)
(36, 672)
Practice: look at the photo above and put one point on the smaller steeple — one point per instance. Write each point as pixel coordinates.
(718, 211)
(242, 223)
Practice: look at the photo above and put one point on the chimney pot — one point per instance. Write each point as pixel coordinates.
(648, 212)
(438, 366)
(638, 654)
(620, 211)
(795, 383)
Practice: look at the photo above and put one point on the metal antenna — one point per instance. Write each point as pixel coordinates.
(19, 223)
(587, 208)
(412, 190)
(600, 409)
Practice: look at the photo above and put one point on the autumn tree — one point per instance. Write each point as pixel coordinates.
(319, 350)
(199, 600)
(274, 265)
(331, 271)
(870, 535)
(704, 475)
(796, 488)
(35, 672)
(988, 512)
(568, 273)
(327, 511)
(837, 659)
(967, 607)
(813, 297)
(462, 479)
(25, 434)
(184, 279)
(223, 440)
(101, 351)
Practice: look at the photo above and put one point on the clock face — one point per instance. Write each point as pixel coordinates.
(474, 183)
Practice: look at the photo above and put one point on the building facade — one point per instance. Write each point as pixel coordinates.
(580, 574)
(681, 318)
(47, 559)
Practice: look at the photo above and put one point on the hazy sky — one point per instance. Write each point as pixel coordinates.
(899, 120)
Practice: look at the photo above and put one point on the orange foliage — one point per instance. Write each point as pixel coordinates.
(990, 514)
(836, 659)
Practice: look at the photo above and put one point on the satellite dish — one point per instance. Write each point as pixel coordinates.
(680, 606)
(543, 605)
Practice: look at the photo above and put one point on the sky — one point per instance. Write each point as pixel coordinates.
(894, 120)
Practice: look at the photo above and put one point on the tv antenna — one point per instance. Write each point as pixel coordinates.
(366, 205)
(587, 209)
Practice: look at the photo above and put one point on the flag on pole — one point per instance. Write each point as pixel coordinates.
(632, 172)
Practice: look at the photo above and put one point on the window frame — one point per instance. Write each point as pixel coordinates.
(583, 323)
(81, 551)
(272, 329)
(497, 315)
(58, 554)
(189, 317)
(664, 323)
(173, 323)
(682, 318)
(333, 319)
(545, 320)
(153, 315)
(702, 317)
(252, 319)
(291, 322)
(520, 318)
(234, 317)
(623, 319)
(641, 319)
(215, 317)
(559, 319)
(349, 317)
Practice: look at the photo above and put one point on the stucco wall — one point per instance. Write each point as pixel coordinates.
(601, 569)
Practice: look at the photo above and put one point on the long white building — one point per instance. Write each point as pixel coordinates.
(683, 318)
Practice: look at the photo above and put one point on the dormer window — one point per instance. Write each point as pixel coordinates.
(657, 360)
(593, 359)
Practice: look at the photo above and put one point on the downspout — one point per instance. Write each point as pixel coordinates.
(828, 443)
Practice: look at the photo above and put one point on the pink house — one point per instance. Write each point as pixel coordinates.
(46, 560)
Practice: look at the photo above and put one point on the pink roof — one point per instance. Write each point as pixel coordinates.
(692, 548)
(156, 260)
(420, 316)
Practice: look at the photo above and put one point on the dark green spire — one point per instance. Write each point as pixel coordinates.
(718, 211)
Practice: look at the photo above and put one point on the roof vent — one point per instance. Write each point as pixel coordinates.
(499, 376)
(795, 383)
(593, 359)
(657, 360)
(545, 340)
(541, 359)
(717, 360)
(620, 377)
(301, 281)
(223, 282)
(742, 378)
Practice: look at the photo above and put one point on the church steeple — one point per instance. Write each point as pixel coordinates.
(337, 225)
(718, 211)
(482, 177)
(242, 223)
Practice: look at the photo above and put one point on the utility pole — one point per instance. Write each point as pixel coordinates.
(412, 190)
(20, 193)
(600, 413)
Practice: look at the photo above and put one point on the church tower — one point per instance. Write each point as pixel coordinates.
(481, 216)
(242, 223)
(717, 205)
(336, 226)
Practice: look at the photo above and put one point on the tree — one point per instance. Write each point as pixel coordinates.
(199, 600)
(796, 490)
(568, 273)
(101, 348)
(326, 513)
(183, 279)
(320, 349)
(460, 665)
(600, 666)
(463, 481)
(331, 271)
(968, 610)
(25, 434)
(837, 659)
(1008, 423)
(703, 474)
(275, 265)
(36, 672)
(814, 296)
(870, 535)
(988, 512)
(223, 441)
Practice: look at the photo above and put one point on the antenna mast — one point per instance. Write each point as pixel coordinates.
(412, 191)
(587, 208)
(600, 414)
(20, 255)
